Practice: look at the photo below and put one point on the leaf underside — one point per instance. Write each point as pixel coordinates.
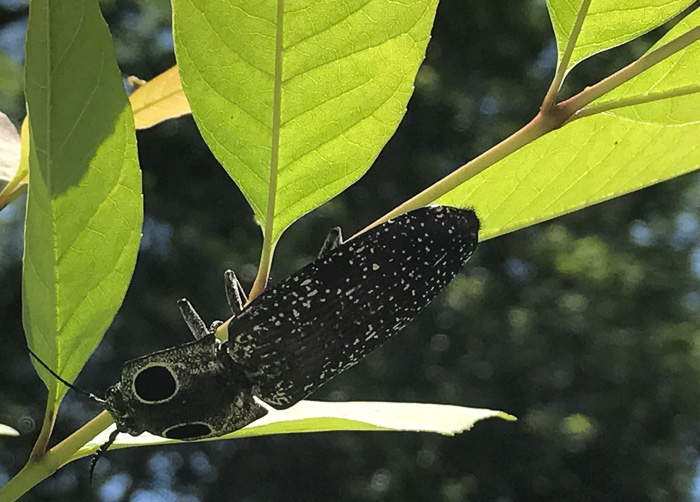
(297, 104)
(598, 157)
(84, 208)
(318, 416)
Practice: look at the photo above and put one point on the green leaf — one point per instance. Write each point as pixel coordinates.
(661, 82)
(598, 157)
(84, 208)
(318, 416)
(297, 98)
(607, 23)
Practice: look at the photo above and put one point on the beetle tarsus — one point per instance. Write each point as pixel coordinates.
(334, 239)
(102, 450)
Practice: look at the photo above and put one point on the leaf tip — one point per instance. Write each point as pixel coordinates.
(506, 416)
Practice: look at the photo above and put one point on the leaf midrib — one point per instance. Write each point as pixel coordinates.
(276, 127)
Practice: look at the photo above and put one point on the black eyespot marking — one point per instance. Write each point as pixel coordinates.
(188, 431)
(299, 334)
(155, 383)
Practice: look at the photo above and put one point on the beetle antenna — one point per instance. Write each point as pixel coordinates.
(92, 397)
(102, 450)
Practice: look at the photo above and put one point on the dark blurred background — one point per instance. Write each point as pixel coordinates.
(586, 328)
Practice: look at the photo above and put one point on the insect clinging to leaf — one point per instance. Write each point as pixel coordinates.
(297, 335)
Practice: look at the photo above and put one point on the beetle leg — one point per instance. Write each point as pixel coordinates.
(235, 294)
(333, 240)
(192, 319)
(101, 451)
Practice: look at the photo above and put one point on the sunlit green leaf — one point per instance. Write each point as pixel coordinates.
(297, 103)
(318, 416)
(84, 207)
(678, 72)
(607, 23)
(598, 157)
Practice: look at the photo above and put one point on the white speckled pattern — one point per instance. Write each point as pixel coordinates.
(334, 311)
